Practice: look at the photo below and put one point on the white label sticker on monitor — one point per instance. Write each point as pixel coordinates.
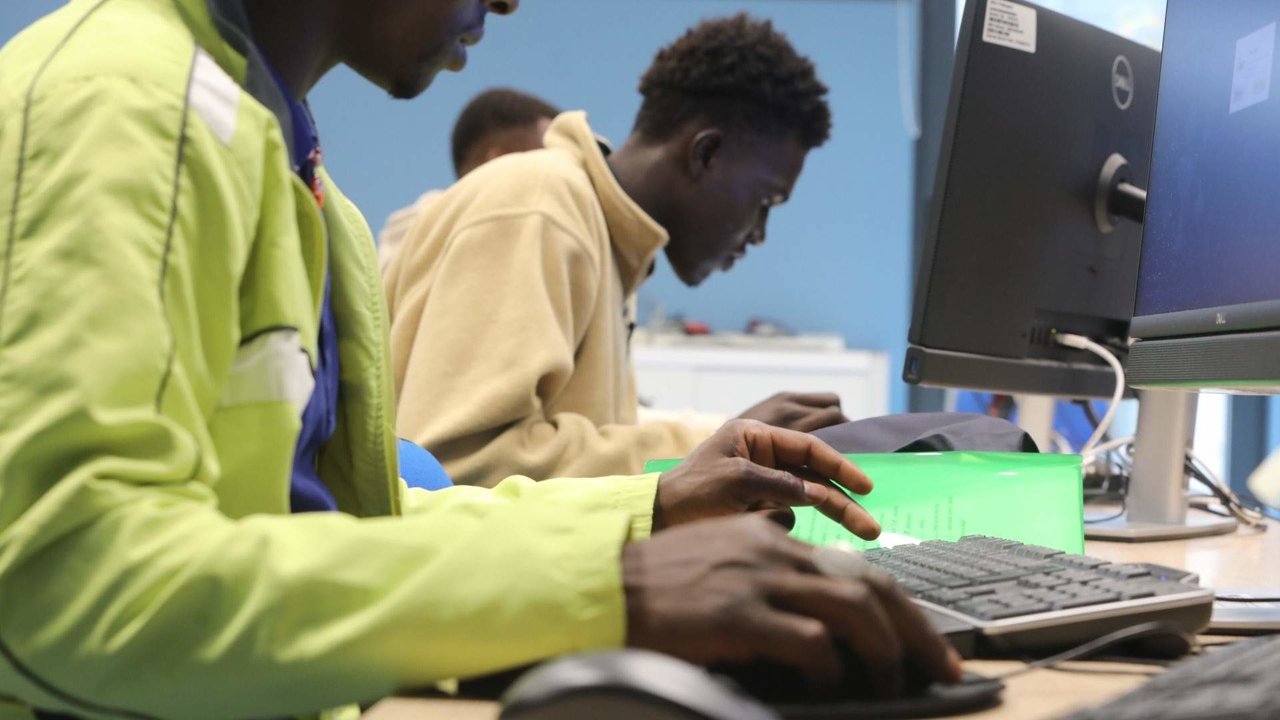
(1251, 80)
(1011, 25)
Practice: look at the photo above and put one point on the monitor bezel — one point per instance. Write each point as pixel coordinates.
(1244, 317)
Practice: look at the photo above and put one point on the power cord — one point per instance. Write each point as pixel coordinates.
(1108, 518)
(1105, 642)
(1155, 669)
(1080, 342)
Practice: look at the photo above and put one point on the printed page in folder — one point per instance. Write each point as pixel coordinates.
(1029, 497)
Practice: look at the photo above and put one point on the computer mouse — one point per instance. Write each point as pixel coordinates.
(786, 691)
(1162, 642)
(1164, 646)
(643, 685)
(627, 685)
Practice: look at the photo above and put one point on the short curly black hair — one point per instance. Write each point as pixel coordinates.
(737, 71)
(494, 110)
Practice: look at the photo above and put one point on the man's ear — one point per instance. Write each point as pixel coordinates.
(704, 148)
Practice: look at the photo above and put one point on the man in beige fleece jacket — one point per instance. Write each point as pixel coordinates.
(510, 299)
(497, 122)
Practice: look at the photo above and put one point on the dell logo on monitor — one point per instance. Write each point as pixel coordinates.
(1122, 82)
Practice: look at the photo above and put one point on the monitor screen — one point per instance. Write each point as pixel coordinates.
(1212, 236)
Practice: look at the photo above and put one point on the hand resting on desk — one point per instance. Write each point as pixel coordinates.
(805, 412)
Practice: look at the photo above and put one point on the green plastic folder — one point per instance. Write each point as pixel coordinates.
(1029, 497)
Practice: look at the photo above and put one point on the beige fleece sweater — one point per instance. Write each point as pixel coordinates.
(510, 319)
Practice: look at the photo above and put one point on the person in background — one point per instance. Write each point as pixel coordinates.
(494, 123)
(510, 311)
(200, 514)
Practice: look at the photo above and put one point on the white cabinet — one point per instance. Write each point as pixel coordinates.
(728, 380)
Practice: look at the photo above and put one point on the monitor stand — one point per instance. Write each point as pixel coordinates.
(1035, 417)
(1156, 502)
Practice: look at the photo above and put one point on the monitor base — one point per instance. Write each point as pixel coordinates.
(1122, 529)
(1156, 501)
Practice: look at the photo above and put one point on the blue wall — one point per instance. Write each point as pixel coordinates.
(838, 257)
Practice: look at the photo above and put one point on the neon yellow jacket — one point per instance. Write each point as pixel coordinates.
(160, 288)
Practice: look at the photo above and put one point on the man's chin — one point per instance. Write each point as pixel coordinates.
(457, 59)
(406, 89)
(695, 278)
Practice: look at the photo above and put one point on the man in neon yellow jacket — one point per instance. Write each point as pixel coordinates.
(165, 274)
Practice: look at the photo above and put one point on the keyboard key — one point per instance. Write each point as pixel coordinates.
(1042, 581)
(1080, 576)
(1083, 600)
(915, 586)
(1031, 607)
(1080, 561)
(1037, 551)
(1127, 572)
(976, 590)
(944, 597)
(1004, 612)
(1001, 576)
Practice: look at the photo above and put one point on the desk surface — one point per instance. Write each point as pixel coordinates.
(1244, 559)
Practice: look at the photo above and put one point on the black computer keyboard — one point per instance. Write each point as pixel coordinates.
(1238, 682)
(1030, 600)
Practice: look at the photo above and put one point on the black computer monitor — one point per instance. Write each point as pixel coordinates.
(1207, 314)
(1032, 226)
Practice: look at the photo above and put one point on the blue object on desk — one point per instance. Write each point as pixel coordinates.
(420, 468)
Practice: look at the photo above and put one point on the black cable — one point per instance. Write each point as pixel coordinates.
(1105, 642)
(1244, 600)
(1207, 647)
(1197, 474)
(1225, 499)
(1209, 509)
(1255, 506)
(1111, 671)
(1109, 518)
(1089, 413)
